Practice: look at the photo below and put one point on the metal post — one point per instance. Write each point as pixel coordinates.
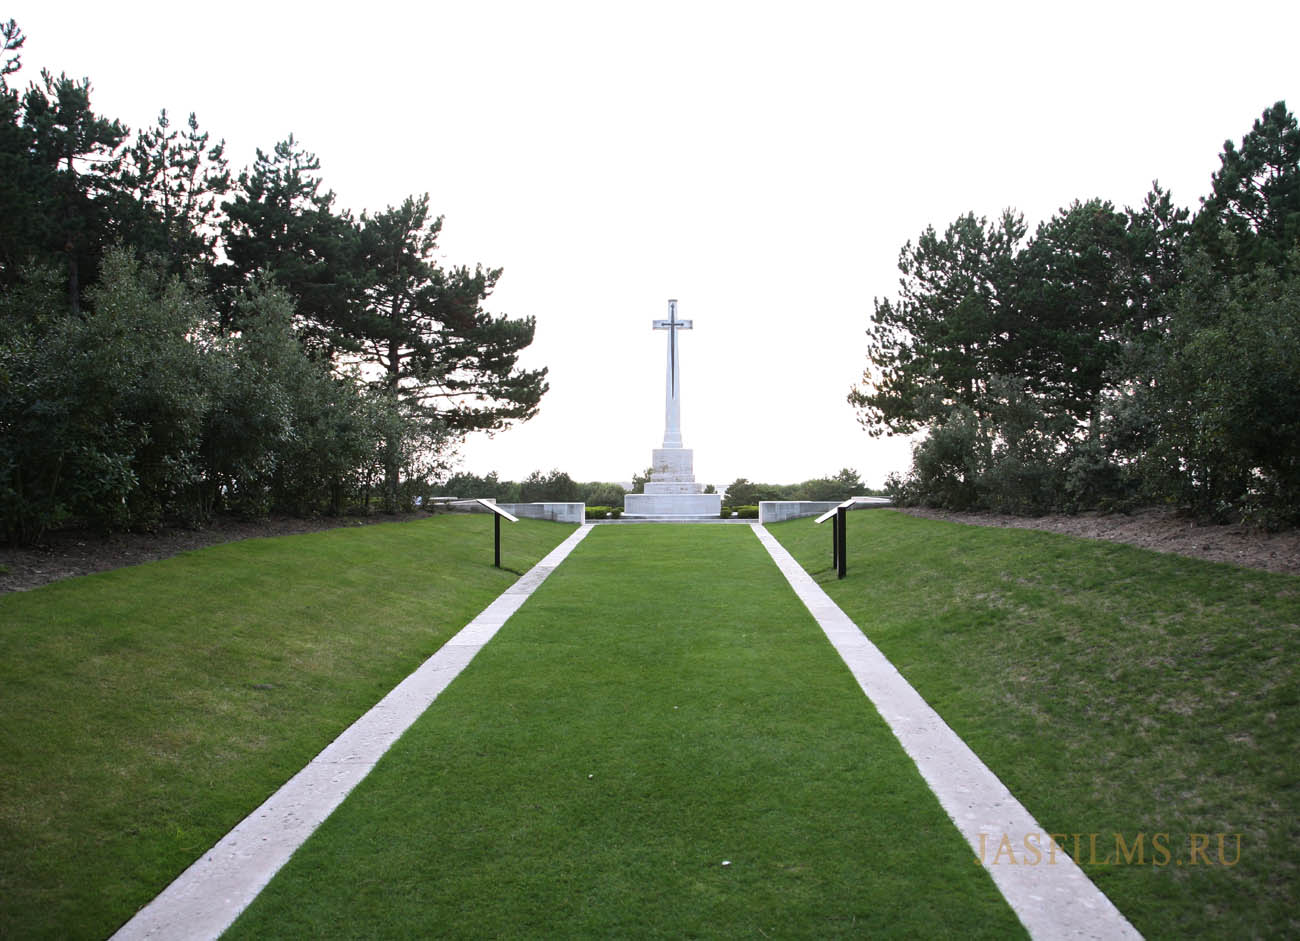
(497, 520)
(842, 518)
(835, 541)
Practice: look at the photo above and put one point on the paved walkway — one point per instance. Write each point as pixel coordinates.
(1053, 900)
(205, 899)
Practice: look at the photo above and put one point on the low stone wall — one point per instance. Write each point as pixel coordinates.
(556, 512)
(774, 511)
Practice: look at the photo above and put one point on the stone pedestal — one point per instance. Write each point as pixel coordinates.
(672, 490)
(672, 505)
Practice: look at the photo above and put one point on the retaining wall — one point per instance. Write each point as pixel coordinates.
(774, 511)
(556, 512)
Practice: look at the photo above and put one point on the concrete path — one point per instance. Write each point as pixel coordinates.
(1052, 900)
(206, 899)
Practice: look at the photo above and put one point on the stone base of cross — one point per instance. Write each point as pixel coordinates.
(671, 492)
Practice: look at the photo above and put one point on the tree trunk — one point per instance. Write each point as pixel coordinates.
(393, 443)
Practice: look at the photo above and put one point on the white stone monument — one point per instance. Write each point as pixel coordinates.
(671, 492)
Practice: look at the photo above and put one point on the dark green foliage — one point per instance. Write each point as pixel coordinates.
(426, 327)
(14, 40)
(279, 222)
(740, 491)
(141, 379)
(65, 200)
(24, 187)
(640, 480)
(59, 451)
(1252, 215)
(1076, 301)
(1228, 392)
(101, 414)
(449, 367)
(949, 329)
(471, 486)
(140, 410)
(177, 180)
(602, 494)
(841, 486)
(284, 432)
(555, 487)
(1116, 358)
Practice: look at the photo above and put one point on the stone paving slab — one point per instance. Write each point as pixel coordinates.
(1052, 900)
(205, 900)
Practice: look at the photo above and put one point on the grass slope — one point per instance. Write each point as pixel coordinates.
(145, 711)
(663, 703)
(1113, 690)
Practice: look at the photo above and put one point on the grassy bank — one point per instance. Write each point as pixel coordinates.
(1114, 690)
(662, 706)
(145, 711)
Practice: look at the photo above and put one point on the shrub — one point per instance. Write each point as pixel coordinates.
(602, 494)
(555, 487)
(946, 465)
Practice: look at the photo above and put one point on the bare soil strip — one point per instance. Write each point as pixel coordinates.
(1159, 530)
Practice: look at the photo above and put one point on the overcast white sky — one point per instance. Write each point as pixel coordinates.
(763, 163)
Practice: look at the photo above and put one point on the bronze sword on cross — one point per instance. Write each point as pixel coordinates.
(673, 415)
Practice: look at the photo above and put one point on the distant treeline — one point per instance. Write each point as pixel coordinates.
(1115, 358)
(558, 487)
(177, 340)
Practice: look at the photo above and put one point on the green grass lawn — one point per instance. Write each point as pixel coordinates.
(145, 711)
(661, 705)
(1113, 690)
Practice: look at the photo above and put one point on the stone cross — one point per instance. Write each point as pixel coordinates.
(672, 404)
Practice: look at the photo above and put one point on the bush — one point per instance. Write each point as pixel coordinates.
(845, 484)
(602, 494)
(947, 465)
(604, 512)
(101, 412)
(741, 512)
(555, 487)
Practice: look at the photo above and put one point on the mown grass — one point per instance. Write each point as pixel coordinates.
(661, 705)
(1114, 690)
(145, 711)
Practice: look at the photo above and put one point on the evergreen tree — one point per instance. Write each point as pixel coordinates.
(1252, 215)
(951, 326)
(1077, 300)
(82, 152)
(279, 221)
(26, 190)
(447, 363)
(177, 179)
(555, 487)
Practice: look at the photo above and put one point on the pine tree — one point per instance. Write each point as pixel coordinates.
(178, 180)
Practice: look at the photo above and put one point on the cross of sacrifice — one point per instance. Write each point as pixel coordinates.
(672, 404)
(672, 325)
